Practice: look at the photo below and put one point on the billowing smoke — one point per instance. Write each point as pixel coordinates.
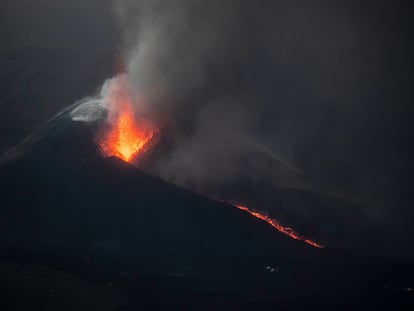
(271, 95)
(191, 61)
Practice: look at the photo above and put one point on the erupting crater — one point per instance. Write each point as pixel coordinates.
(128, 133)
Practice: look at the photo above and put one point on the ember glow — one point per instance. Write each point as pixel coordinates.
(275, 224)
(128, 134)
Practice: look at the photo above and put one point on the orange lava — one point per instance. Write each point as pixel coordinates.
(275, 224)
(127, 135)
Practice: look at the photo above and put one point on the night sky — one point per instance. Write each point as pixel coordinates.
(325, 85)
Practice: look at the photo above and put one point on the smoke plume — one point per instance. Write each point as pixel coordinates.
(281, 94)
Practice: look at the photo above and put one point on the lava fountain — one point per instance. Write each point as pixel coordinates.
(129, 133)
(129, 130)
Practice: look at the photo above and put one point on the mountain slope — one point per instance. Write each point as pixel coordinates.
(65, 206)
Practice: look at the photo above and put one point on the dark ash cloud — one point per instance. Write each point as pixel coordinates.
(252, 86)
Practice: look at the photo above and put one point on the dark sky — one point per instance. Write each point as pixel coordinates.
(326, 85)
(51, 55)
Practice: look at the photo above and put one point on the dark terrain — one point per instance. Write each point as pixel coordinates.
(81, 232)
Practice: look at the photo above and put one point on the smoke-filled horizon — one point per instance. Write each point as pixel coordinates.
(255, 96)
(309, 83)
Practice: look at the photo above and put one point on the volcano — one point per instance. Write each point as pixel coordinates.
(70, 210)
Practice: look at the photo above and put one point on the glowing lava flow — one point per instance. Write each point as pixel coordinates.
(286, 230)
(128, 136)
(125, 138)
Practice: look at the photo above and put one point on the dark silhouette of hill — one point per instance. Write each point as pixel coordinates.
(66, 209)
